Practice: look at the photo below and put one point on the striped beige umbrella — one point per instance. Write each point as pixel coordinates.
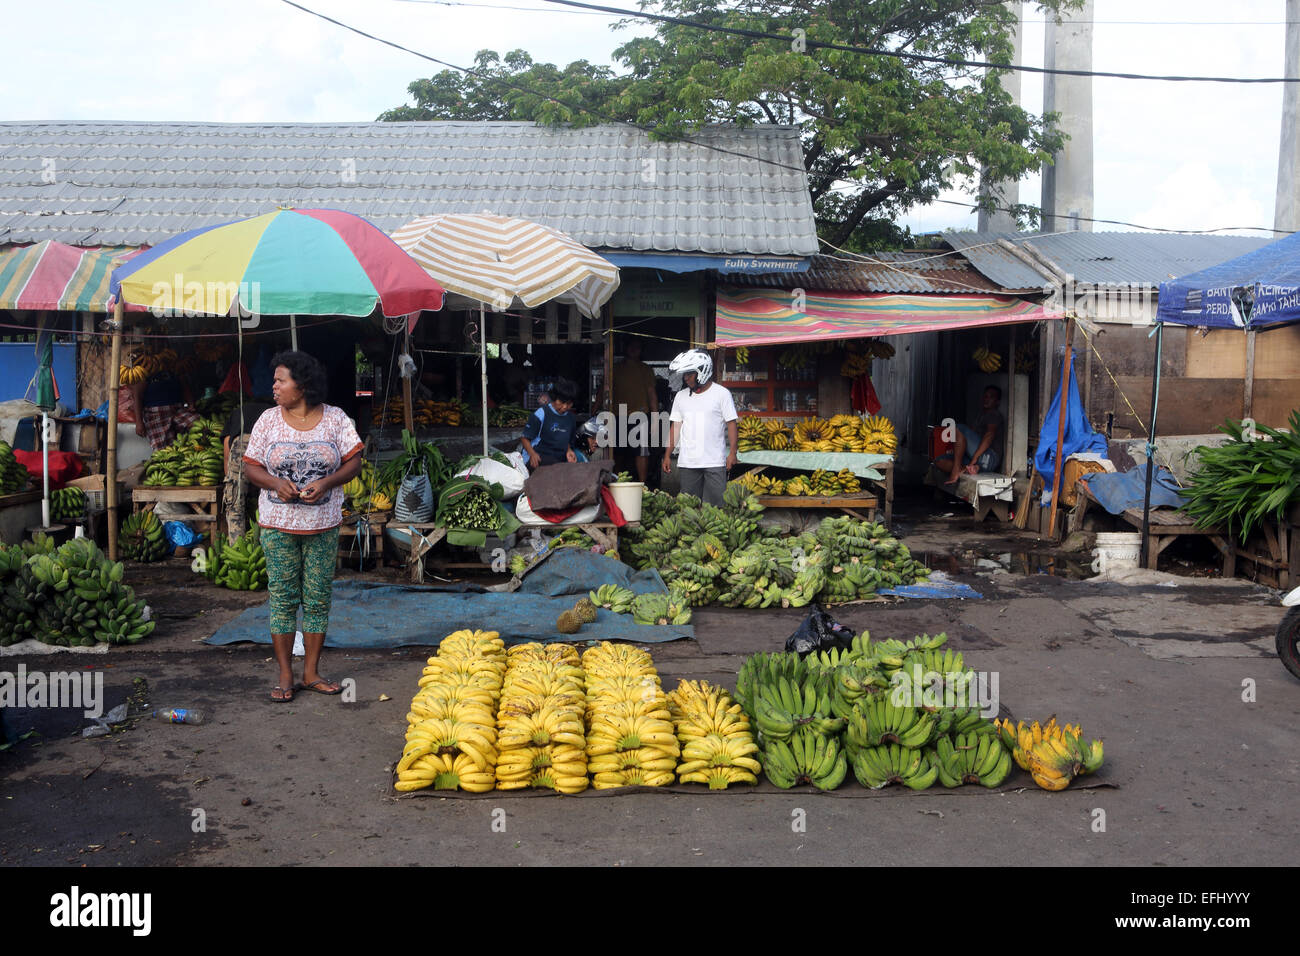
(495, 260)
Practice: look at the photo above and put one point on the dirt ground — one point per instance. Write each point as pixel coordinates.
(1175, 674)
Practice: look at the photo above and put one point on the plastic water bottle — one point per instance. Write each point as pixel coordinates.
(178, 715)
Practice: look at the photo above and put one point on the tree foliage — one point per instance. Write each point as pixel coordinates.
(880, 133)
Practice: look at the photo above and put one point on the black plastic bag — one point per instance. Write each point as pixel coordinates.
(819, 632)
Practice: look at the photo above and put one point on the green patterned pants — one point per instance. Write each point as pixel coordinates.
(300, 571)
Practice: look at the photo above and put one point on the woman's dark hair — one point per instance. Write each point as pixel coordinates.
(564, 391)
(307, 373)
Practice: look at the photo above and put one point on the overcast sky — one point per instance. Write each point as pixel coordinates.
(1172, 155)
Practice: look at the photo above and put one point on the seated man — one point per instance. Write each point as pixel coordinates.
(548, 436)
(980, 448)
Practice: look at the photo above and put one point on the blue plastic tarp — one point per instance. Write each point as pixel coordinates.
(371, 615)
(1119, 491)
(938, 586)
(1079, 436)
(1258, 290)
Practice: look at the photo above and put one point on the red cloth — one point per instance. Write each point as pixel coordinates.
(64, 466)
(237, 375)
(612, 510)
(862, 396)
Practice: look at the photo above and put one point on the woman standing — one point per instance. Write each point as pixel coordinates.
(300, 454)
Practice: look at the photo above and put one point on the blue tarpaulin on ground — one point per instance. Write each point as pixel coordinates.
(938, 586)
(365, 614)
(1079, 436)
(1119, 491)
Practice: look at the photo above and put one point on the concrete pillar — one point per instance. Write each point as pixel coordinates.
(1286, 211)
(1007, 192)
(1067, 185)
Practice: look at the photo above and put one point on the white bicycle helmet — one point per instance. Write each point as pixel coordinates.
(695, 360)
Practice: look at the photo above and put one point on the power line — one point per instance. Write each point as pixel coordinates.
(1133, 225)
(719, 149)
(918, 57)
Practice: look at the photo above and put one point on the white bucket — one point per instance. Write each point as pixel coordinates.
(1116, 552)
(627, 495)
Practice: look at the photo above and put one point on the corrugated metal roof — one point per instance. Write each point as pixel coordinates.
(1101, 258)
(898, 272)
(733, 190)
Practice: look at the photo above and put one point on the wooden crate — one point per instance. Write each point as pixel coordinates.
(204, 500)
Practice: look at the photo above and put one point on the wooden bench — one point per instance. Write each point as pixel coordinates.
(204, 500)
(985, 492)
(1164, 526)
(849, 504)
(426, 536)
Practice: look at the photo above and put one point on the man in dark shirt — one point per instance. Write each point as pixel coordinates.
(980, 448)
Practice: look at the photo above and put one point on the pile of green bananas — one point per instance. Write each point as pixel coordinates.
(71, 596)
(240, 566)
(142, 537)
(893, 711)
(723, 555)
(613, 598)
(67, 505)
(670, 608)
(13, 476)
(798, 733)
(194, 458)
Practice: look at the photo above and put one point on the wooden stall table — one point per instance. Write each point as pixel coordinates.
(986, 491)
(877, 469)
(1164, 526)
(851, 505)
(204, 500)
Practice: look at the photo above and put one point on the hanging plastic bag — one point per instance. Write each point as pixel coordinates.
(414, 500)
(819, 632)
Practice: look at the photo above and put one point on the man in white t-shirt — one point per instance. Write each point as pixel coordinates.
(704, 425)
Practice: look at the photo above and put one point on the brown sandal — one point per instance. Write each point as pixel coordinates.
(285, 694)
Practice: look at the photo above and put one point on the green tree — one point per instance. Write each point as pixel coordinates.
(880, 133)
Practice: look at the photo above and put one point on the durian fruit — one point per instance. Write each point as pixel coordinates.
(585, 611)
(568, 622)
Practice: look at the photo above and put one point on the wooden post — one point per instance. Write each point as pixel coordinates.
(1060, 425)
(110, 467)
(1009, 466)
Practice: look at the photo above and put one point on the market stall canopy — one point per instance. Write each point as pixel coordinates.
(770, 317)
(1258, 290)
(496, 259)
(288, 262)
(53, 277)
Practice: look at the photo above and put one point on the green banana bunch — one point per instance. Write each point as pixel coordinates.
(14, 477)
(613, 598)
(877, 767)
(142, 537)
(972, 758)
(807, 757)
(240, 566)
(671, 608)
(954, 721)
(67, 505)
(876, 720)
(852, 681)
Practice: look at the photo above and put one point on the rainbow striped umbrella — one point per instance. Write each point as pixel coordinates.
(287, 262)
(52, 276)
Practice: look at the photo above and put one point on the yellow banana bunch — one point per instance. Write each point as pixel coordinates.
(742, 355)
(855, 365)
(451, 727)
(541, 738)
(1053, 754)
(717, 745)
(988, 362)
(131, 374)
(630, 737)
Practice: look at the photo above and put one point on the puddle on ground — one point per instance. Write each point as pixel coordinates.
(1008, 562)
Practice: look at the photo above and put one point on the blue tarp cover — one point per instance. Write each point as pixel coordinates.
(1270, 275)
(365, 614)
(1119, 491)
(1079, 436)
(938, 586)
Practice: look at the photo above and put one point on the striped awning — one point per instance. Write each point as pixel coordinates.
(773, 317)
(496, 259)
(52, 276)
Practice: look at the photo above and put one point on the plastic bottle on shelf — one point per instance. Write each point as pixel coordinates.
(179, 715)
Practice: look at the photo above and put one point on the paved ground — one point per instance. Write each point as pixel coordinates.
(1194, 774)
